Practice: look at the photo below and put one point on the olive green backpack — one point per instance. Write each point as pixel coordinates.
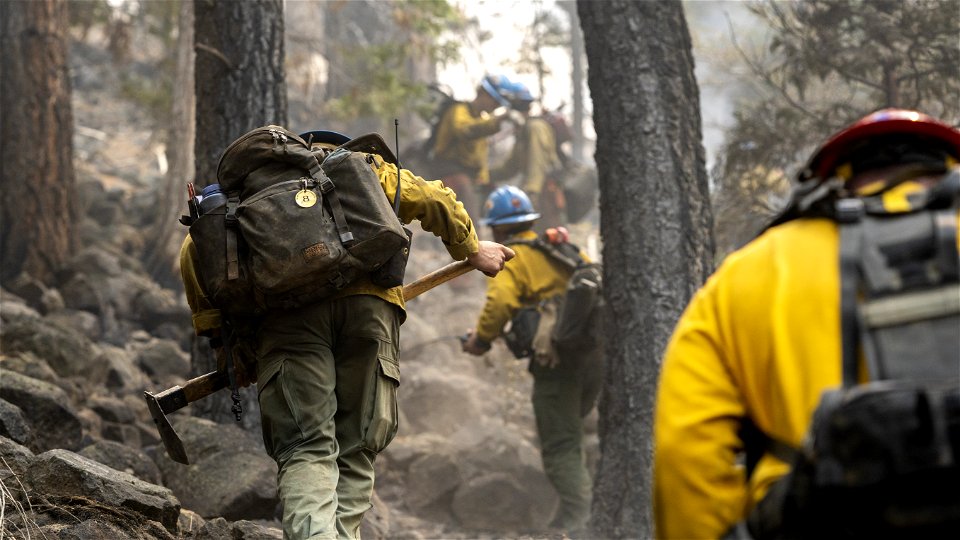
(294, 230)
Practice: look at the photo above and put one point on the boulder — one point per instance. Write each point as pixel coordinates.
(189, 523)
(31, 365)
(219, 528)
(10, 311)
(63, 474)
(111, 409)
(501, 502)
(230, 474)
(431, 480)
(67, 351)
(440, 401)
(104, 526)
(13, 423)
(14, 458)
(52, 420)
(376, 522)
(123, 458)
(118, 372)
(161, 358)
(84, 322)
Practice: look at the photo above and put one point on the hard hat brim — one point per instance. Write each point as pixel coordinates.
(508, 220)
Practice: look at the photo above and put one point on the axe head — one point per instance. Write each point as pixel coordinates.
(171, 441)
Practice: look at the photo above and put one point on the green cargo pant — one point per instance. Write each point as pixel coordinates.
(562, 397)
(327, 383)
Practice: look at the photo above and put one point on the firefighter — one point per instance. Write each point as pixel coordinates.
(565, 385)
(460, 150)
(760, 342)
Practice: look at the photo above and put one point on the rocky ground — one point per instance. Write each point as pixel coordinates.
(81, 458)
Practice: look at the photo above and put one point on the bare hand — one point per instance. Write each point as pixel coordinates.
(490, 258)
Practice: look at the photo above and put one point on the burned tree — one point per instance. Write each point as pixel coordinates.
(37, 183)
(656, 227)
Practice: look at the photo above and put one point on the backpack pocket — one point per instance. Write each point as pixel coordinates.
(292, 240)
(209, 234)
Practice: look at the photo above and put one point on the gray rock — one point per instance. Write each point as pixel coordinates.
(123, 458)
(29, 288)
(111, 409)
(52, 420)
(189, 523)
(431, 480)
(66, 351)
(59, 473)
(16, 458)
(84, 322)
(438, 401)
(51, 301)
(31, 365)
(230, 475)
(128, 434)
(80, 293)
(499, 501)
(163, 357)
(10, 311)
(155, 306)
(219, 528)
(13, 424)
(117, 371)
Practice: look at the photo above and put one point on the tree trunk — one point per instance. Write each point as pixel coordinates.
(239, 75)
(37, 183)
(576, 80)
(164, 244)
(240, 85)
(656, 225)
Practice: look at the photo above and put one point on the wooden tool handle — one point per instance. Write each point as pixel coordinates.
(437, 277)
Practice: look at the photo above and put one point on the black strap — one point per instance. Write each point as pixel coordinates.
(328, 189)
(231, 230)
(851, 237)
(571, 261)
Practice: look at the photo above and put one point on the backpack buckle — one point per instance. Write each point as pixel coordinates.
(849, 210)
(326, 185)
(338, 281)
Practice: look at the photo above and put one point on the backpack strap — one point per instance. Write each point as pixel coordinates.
(232, 232)
(899, 278)
(565, 253)
(328, 189)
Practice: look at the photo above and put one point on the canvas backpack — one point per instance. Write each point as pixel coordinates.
(578, 308)
(293, 230)
(882, 458)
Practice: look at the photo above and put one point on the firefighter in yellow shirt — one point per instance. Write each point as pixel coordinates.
(761, 341)
(327, 373)
(565, 385)
(460, 150)
(535, 159)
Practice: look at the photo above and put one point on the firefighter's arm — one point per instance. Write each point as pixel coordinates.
(435, 206)
(465, 126)
(503, 300)
(206, 318)
(699, 489)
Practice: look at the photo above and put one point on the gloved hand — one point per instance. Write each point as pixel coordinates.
(474, 345)
(516, 118)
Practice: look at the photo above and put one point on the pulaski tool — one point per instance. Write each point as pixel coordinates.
(163, 403)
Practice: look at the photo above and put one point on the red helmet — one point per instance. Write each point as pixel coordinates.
(880, 123)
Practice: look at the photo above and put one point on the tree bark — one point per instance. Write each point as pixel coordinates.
(576, 79)
(37, 181)
(656, 227)
(240, 85)
(240, 78)
(164, 244)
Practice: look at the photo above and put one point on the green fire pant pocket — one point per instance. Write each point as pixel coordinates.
(383, 418)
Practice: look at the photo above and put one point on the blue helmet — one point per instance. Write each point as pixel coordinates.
(505, 91)
(324, 137)
(507, 205)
